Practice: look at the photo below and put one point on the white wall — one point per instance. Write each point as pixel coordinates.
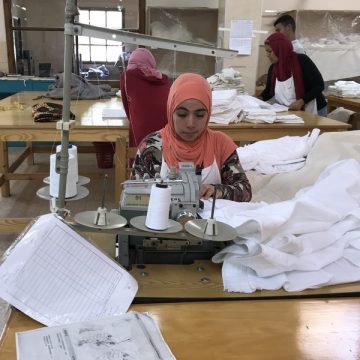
(246, 65)
(287, 5)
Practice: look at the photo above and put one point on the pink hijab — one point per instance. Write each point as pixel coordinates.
(144, 60)
(202, 150)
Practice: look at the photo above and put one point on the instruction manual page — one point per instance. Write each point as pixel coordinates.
(130, 336)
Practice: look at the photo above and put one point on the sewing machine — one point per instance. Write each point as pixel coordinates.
(153, 248)
(185, 199)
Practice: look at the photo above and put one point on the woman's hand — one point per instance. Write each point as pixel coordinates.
(207, 191)
(297, 105)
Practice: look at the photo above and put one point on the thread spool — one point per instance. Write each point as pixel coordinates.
(71, 188)
(157, 217)
(72, 151)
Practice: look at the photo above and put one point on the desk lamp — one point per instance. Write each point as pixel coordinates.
(72, 29)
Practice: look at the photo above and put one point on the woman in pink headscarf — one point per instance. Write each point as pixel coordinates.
(144, 91)
(186, 137)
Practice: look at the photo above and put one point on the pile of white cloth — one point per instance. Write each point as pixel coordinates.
(310, 241)
(225, 106)
(229, 107)
(329, 148)
(228, 78)
(284, 154)
(349, 89)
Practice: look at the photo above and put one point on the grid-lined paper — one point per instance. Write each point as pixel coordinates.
(57, 274)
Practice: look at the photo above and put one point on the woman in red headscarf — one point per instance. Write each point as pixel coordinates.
(293, 79)
(144, 92)
(187, 138)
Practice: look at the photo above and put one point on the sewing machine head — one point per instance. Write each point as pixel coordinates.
(185, 198)
(178, 248)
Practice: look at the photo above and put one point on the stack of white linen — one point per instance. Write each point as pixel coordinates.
(228, 107)
(284, 154)
(349, 89)
(228, 78)
(310, 241)
(225, 107)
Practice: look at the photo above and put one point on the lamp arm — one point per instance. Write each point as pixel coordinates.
(147, 40)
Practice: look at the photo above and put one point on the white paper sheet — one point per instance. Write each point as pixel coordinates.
(130, 336)
(241, 45)
(117, 113)
(241, 28)
(56, 276)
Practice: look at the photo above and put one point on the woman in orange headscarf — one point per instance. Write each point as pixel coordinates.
(186, 137)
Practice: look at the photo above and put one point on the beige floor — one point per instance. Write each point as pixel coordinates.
(24, 202)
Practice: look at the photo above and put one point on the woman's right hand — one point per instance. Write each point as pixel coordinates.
(297, 105)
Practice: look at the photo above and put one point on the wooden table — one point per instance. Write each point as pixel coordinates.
(18, 125)
(202, 280)
(243, 131)
(272, 329)
(348, 103)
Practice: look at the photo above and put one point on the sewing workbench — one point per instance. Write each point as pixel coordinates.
(257, 329)
(348, 103)
(199, 320)
(16, 124)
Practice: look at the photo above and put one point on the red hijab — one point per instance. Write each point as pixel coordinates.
(288, 63)
(202, 150)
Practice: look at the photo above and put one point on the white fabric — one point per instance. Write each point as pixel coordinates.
(311, 107)
(223, 97)
(211, 174)
(227, 108)
(285, 91)
(298, 48)
(277, 155)
(328, 148)
(285, 95)
(345, 89)
(299, 243)
(227, 79)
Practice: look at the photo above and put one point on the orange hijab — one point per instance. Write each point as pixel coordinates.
(202, 150)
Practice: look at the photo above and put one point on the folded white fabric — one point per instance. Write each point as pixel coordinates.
(259, 115)
(223, 97)
(345, 89)
(227, 107)
(289, 118)
(295, 244)
(270, 156)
